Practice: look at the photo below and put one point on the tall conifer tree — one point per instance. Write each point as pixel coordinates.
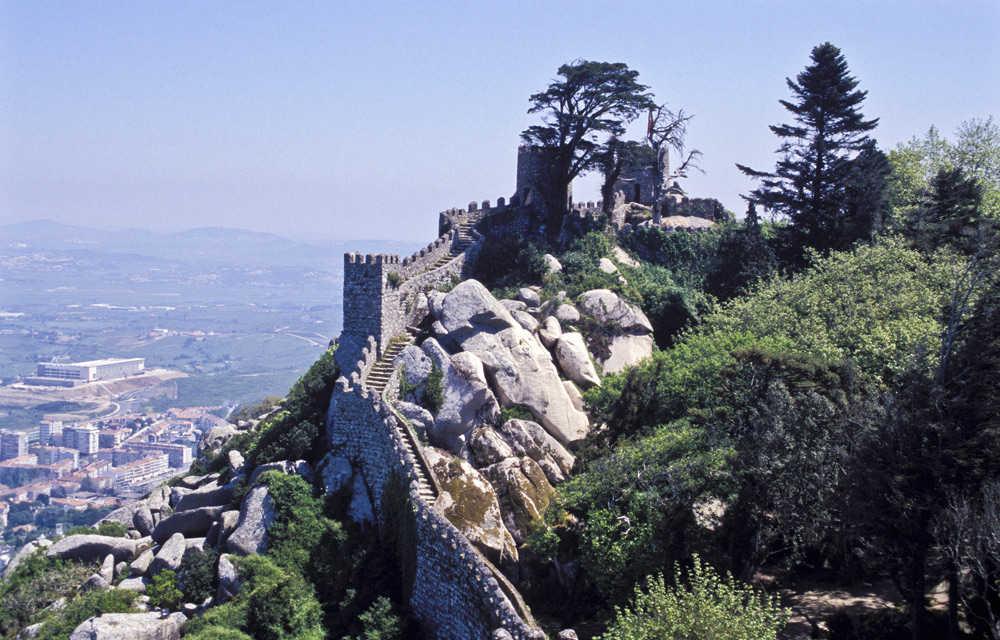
(810, 182)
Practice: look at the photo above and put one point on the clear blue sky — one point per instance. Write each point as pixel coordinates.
(350, 120)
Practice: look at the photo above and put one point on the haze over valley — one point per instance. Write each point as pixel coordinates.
(242, 314)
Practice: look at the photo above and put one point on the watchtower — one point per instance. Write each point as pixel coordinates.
(639, 181)
(372, 304)
(532, 162)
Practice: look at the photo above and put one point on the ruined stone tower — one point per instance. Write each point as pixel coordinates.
(638, 182)
(531, 164)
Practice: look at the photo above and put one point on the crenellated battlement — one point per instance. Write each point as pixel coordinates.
(456, 592)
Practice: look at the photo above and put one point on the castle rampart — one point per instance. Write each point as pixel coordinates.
(456, 592)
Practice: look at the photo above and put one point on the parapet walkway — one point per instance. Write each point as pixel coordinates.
(460, 593)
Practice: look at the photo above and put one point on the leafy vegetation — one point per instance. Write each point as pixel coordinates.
(822, 393)
(702, 606)
(36, 583)
(106, 528)
(320, 577)
(163, 592)
(434, 389)
(61, 624)
(197, 580)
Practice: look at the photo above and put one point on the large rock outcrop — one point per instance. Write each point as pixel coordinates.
(128, 626)
(92, 548)
(169, 556)
(528, 439)
(256, 515)
(190, 523)
(574, 359)
(469, 502)
(523, 493)
(467, 401)
(630, 331)
(519, 369)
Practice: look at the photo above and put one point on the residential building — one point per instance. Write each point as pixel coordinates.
(13, 444)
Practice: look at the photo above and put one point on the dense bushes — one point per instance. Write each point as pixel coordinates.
(750, 438)
(881, 306)
(320, 578)
(35, 583)
(107, 528)
(198, 574)
(700, 606)
(507, 261)
(61, 624)
(163, 592)
(297, 432)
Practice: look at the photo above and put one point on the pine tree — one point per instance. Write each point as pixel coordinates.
(810, 182)
(952, 214)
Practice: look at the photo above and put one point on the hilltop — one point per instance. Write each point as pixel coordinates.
(610, 419)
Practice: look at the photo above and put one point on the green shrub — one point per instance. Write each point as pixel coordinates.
(215, 632)
(281, 605)
(379, 622)
(636, 503)
(434, 390)
(35, 583)
(299, 526)
(665, 386)
(107, 528)
(86, 605)
(229, 618)
(689, 256)
(274, 604)
(701, 606)
(163, 592)
(509, 261)
(516, 412)
(339, 561)
(669, 306)
(877, 305)
(405, 388)
(198, 575)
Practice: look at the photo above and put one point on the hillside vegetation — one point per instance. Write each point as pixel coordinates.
(820, 404)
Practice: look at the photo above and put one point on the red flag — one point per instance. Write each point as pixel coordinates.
(649, 128)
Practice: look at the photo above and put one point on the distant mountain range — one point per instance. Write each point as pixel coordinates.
(215, 245)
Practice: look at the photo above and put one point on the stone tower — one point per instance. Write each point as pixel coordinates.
(531, 175)
(638, 182)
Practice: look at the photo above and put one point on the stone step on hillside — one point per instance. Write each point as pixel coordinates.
(381, 373)
(423, 483)
(463, 240)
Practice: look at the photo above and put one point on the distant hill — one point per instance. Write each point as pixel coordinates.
(216, 245)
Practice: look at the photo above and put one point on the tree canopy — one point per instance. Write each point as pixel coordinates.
(810, 182)
(591, 99)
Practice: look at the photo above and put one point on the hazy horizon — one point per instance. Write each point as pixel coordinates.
(346, 122)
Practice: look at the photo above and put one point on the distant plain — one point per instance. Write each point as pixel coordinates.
(242, 313)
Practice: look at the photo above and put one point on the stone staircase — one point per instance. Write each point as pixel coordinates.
(425, 486)
(380, 374)
(378, 379)
(463, 240)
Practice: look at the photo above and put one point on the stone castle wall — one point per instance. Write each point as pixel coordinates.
(456, 592)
